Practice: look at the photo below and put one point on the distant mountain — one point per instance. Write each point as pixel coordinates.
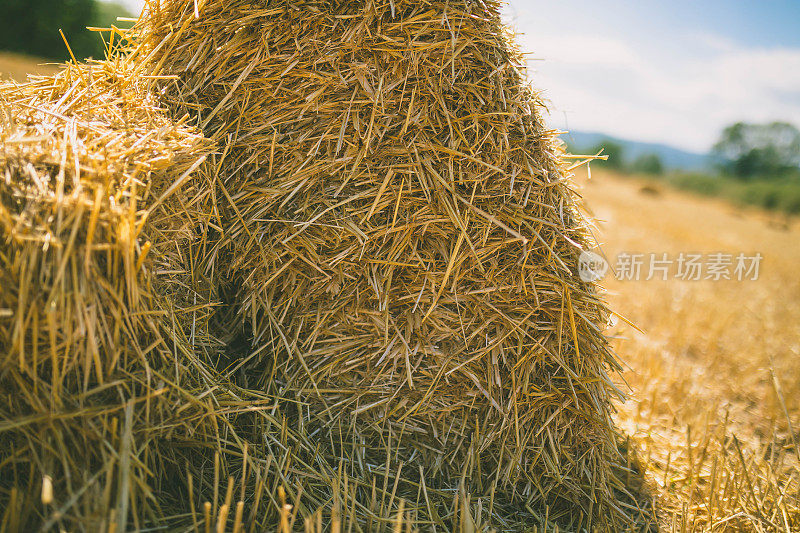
(671, 157)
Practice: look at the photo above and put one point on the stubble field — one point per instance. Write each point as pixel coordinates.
(17, 66)
(713, 374)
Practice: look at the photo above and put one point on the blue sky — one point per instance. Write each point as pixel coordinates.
(674, 72)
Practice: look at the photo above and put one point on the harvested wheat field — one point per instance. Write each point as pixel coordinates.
(713, 373)
(18, 66)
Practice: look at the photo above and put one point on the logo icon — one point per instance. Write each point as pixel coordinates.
(591, 266)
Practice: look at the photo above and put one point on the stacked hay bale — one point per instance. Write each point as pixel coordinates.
(101, 387)
(399, 245)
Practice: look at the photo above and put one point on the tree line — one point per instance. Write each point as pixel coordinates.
(744, 151)
(32, 26)
(760, 151)
(617, 159)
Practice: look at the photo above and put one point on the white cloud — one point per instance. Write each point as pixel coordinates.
(681, 92)
(582, 48)
(134, 5)
(715, 42)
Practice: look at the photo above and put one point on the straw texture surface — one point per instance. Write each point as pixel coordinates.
(93, 354)
(398, 242)
(327, 251)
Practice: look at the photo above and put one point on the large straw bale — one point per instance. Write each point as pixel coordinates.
(112, 416)
(398, 242)
(101, 390)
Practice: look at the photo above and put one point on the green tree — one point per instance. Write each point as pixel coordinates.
(31, 26)
(759, 150)
(107, 13)
(614, 151)
(648, 164)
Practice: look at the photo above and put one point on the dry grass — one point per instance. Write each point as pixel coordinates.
(112, 416)
(714, 373)
(95, 367)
